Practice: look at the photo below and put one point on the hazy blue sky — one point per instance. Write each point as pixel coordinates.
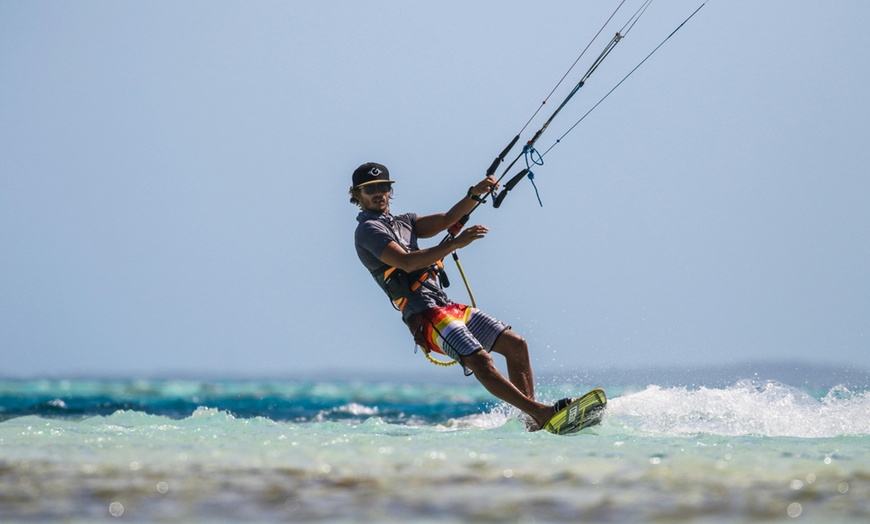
(173, 181)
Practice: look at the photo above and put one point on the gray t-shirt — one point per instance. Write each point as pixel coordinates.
(373, 233)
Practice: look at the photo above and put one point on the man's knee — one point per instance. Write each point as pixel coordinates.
(511, 344)
(480, 361)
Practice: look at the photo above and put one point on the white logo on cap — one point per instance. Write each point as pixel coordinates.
(374, 172)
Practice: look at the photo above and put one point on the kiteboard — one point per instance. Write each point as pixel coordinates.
(579, 414)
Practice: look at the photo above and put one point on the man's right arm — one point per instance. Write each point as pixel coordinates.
(394, 255)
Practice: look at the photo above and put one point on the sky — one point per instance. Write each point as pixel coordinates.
(174, 176)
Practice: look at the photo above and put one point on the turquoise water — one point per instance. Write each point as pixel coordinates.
(707, 450)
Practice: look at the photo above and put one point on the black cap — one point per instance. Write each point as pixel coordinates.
(369, 173)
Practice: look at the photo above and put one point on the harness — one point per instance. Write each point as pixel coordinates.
(399, 285)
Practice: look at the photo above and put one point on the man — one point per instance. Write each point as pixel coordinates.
(387, 247)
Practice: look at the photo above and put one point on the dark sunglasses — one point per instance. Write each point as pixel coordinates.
(381, 187)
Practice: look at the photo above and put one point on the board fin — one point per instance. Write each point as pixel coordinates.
(584, 412)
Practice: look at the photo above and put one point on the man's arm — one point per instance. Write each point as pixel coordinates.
(395, 256)
(431, 225)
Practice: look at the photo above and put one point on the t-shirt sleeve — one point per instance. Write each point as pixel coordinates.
(412, 219)
(371, 240)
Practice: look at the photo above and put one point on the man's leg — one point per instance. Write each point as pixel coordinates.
(516, 354)
(494, 382)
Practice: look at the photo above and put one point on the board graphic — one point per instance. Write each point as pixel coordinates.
(581, 413)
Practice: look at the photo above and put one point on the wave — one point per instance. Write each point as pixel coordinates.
(768, 409)
(747, 407)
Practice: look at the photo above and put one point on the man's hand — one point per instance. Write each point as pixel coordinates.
(430, 225)
(484, 186)
(468, 236)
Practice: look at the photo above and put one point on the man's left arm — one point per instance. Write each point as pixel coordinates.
(430, 225)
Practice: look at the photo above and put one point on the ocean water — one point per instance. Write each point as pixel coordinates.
(686, 447)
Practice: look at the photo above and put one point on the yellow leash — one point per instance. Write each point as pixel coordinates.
(465, 280)
(438, 362)
(473, 304)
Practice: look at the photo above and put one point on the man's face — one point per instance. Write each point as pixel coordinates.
(375, 197)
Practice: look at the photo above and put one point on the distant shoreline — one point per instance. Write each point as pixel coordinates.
(793, 373)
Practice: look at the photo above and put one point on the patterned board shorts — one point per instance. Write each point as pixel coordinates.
(456, 330)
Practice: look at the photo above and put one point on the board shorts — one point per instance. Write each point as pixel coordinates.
(455, 330)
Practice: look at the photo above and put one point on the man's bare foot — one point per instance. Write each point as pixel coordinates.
(544, 415)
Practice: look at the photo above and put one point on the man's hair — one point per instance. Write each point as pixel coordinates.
(354, 191)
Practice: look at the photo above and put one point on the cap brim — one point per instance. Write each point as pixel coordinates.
(376, 182)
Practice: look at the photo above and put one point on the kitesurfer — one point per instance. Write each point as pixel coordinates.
(387, 246)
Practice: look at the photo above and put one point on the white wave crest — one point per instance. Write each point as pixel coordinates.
(747, 408)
